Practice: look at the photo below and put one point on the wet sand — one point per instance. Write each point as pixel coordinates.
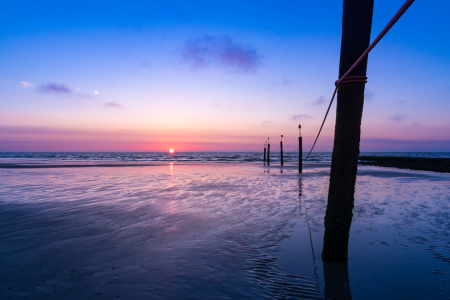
(222, 231)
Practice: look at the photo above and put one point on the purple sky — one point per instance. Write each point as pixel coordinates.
(213, 75)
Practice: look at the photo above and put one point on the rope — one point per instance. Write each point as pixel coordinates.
(362, 79)
(279, 149)
(310, 239)
(292, 151)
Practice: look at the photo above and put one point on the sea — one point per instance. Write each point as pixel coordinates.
(237, 157)
(215, 225)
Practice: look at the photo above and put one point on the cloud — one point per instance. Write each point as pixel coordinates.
(368, 94)
(111, 104)
(397, 117)
(25, 84)
(416, 124)
(96, 92)
(267, 122)
(300, 117)
(215, 104)
(321, 100)
(208, 50)
(283, 82)
(54, 88)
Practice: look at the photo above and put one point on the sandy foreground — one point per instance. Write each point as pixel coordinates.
(218, 231)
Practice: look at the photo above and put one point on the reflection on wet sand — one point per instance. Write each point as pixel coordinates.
(337, 283)
(302, 201)
(226, 231)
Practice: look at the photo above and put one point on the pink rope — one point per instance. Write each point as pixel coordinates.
(354, 79)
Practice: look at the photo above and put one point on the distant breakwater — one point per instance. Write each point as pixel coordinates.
(413, 163)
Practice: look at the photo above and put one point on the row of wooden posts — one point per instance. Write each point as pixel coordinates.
(300, 150)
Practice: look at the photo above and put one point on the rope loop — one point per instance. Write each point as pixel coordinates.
(351, 79)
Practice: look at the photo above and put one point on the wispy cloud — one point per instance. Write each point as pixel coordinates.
(368, 94)
(267, 122)
(54, 88)
(111, 104)
(215, 104)
(25, 84)
(321, 100)
(281, 82)
(223, 51)
(62, 89)
(300, 117)
(397, 117)
(276, 83)
(416, 124)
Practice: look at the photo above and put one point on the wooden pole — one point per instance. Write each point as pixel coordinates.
(268, 153)
(356, 27)
(300, 154)
(281, 150)
(264, 153)
(300, 149)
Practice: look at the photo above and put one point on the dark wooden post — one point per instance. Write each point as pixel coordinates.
(268, 151)
(264, 153)
(356, 27)
(300, 149)
(300, 154)
(281, 150)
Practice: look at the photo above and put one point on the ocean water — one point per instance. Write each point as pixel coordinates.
(216, 230)
(288, 156)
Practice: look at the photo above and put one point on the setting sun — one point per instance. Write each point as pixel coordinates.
(171, 150)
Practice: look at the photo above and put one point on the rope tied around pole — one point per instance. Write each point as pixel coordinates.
(362, 79)
(350, 79)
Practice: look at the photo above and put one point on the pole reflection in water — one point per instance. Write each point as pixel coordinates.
(300, 188)
(337, 284)
(302, 201)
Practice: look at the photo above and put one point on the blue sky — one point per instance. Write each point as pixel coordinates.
(212, 75)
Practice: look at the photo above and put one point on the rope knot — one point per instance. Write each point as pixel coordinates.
(351, 79)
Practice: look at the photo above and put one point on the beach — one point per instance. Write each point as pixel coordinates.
(218, 230)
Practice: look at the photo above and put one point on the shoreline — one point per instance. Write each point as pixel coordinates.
(440, 165)
(88, 164)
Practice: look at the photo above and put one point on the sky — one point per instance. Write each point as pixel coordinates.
(213, 75)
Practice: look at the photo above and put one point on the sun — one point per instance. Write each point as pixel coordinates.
(171, 150)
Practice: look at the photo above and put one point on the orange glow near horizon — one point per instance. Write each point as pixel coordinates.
(171, 150)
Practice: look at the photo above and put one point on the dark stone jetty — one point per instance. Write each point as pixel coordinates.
(412, 163)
